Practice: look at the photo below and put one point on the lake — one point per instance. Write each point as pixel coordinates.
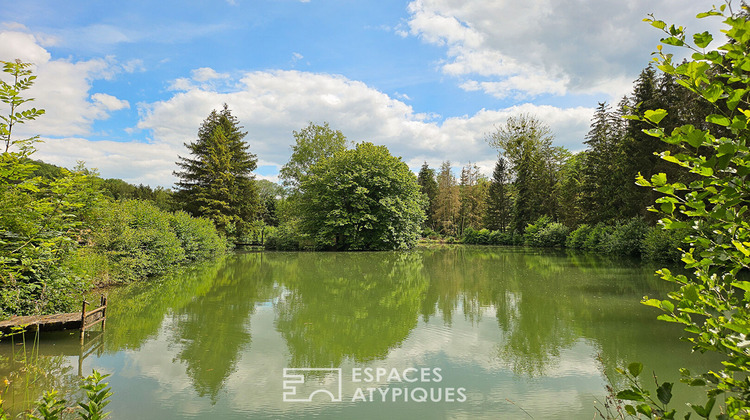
(445, 332)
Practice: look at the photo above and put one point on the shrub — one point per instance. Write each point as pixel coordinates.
(531, 233)
(284, 238)
(597, 235)
(626, 238)
(662, 245)
(553, 235)
(578, 237)
(198, 237)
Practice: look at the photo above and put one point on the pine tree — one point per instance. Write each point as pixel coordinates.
(447, 201)
(426, 180)
(498, 205)
(217, 181)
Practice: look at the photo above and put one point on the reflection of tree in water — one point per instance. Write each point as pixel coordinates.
(213, 328)
(544, 300)
(30, 373)
(357, 306)
(138, 309)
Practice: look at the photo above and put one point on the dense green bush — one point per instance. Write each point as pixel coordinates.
(578, 237)
(626, 238)
(198, 236)
(663, 245)
(284, 238)
(140, 240)
(545, 233)
(596, 237)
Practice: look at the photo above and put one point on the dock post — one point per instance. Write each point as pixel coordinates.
(104, 311)
(83, 321)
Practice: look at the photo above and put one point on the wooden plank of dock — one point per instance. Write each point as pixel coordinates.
(42, 322)
(68, 321)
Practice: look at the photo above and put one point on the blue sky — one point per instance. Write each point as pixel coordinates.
(126, 83)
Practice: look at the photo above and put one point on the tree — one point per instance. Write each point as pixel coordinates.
(498, 207)
(11, 96)
(40, 217)
(472, 193)
(447, 201)
(312, 144)
(217, 181)
(362, 199)
(426, 181)
(526, 143)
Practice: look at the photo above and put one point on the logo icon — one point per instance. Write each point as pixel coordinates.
(302, 384)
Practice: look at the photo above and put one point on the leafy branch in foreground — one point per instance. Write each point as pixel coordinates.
(712, 303)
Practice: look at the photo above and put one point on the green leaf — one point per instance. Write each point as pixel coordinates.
(635, 369)
(630, 395)
(656, 115)
(713, 92)
(702, 39)
(673, 41)
(718, 120)
(659, 179)
(664, 392)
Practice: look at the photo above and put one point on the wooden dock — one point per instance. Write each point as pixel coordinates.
(75, 320)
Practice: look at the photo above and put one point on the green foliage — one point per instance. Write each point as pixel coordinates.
(97, 394)
(499, 204)
(121, 190)
(626, 237)
(526, 143)
(578, 237)
(545, 233)
(312, 144)
(362, 199)
(712, 302)
(216, 182)
(140, 240)
(10, 95)
(429, 187)
(596, 237)
(663, 245)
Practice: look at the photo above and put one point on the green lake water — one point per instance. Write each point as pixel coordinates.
(454, 332)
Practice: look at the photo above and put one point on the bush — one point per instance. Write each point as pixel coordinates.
(531, 233)
(284, 238)
(140, 240)
(597, 235)
(198, 237)
(626, 238)
(476, 237)
(662, 245)
(545, 233)
(553, 235)
(578, 237)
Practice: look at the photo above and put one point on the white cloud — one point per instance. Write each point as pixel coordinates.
(545, 46)
(109, 102)
(206, 73)
(62, 87)
(270, 105)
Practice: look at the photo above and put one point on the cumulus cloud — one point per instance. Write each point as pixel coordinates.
(62, 87)
(271, 104)
(509, 48)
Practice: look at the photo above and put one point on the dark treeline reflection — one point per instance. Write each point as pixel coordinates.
(333, 307)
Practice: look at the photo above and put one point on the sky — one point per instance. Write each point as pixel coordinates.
(126, 83)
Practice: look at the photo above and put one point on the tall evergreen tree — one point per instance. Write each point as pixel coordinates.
(426, 181)
(447, 200)
(498, 207)
(216, 181)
